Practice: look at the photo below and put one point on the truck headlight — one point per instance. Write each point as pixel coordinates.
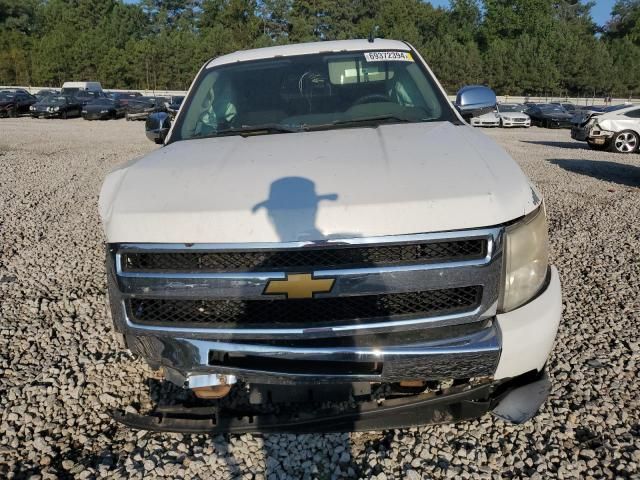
(56, 109)
(526, 253)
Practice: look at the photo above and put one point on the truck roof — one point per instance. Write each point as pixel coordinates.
(308, 48)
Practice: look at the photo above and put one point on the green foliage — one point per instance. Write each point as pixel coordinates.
(625, 22)
(533, 47)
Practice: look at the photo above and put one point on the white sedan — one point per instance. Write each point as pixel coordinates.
(512, 115)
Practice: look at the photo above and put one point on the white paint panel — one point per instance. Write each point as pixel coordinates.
(617, 121)
(529, 331)
(390, 180)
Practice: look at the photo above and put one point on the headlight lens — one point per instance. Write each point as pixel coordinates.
(526, 248)
(57, 108)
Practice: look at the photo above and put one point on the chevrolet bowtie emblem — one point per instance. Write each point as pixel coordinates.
(299, 285)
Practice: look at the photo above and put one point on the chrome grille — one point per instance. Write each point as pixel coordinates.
(335, 256)
(304, 312)
(383, 284)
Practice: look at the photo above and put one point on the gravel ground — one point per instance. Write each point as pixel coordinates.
(60, 368)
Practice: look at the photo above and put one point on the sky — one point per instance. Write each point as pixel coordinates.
(600, 12)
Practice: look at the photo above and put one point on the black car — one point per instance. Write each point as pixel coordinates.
(15, 102)
(549, 116)
(86, 96)
(125, 97)
(103, 109)
(141, 107)
(46, 92)
(569, 107)
(61, 106)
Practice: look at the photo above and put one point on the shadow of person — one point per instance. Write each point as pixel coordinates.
(292, 208)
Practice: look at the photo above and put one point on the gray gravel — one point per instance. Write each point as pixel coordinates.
(60, 367)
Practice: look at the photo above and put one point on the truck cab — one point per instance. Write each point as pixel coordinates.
(322, 222)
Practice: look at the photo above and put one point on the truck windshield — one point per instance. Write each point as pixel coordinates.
(308, 92)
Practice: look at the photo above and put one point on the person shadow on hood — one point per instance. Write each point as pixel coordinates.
(292, 208)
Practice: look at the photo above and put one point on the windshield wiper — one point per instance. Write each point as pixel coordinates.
(247, 130)
(364, 120)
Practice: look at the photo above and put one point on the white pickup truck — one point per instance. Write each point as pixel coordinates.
(323, 244)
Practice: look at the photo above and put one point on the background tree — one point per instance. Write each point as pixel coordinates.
(625, 21)
(536, 47)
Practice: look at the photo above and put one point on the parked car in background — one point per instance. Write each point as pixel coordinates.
(491, 119)
(15, 102)
(141, 107)
(103, 109)
(16, 90)
(549, 116)
(61, 106)
(512, 115)
(44, 93)
(173, 104)
(583, 115)
(569, 107)
(617, 130)
(125, 97)
(87, 96)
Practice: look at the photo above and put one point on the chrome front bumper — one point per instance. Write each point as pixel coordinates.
(185, 360)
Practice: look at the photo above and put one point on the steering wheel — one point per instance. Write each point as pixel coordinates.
(372, 97)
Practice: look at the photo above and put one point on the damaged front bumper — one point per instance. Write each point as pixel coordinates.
(515, 401)
(466, 363)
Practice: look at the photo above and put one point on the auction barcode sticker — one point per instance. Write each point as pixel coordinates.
(388, 56)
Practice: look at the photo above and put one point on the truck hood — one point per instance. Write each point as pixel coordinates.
(389, 180)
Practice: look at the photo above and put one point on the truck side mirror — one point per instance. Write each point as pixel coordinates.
(157, 126)
(475, 100)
